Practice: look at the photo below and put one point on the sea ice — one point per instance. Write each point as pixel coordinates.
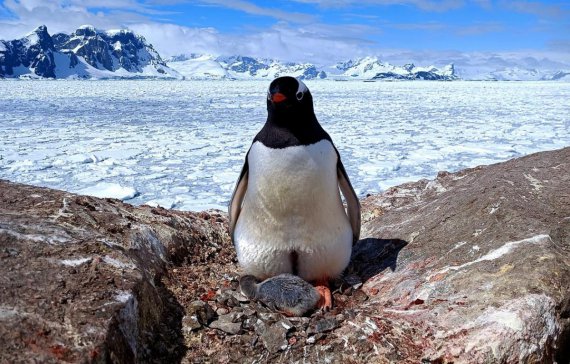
(181, 144)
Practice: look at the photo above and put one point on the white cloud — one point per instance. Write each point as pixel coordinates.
(294, 40)
(171, 39)
(310, 43)
(251, 8)
(62, 17)
(428, 5)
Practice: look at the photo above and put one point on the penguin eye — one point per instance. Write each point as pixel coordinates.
(300, 95)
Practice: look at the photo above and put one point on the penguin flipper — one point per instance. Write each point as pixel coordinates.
(352, 202)
(234, 207)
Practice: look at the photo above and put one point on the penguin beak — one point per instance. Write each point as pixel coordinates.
(278, 97)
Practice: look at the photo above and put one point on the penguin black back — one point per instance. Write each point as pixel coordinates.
(291, 119)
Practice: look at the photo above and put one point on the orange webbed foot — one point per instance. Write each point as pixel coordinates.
(325, 302)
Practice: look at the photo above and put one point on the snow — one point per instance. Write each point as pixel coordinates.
(181, 144)
(75, 262)
(83, 70)
(31, 39)
(201, 67)
(497, 253)
(109, 190)
(113, 32)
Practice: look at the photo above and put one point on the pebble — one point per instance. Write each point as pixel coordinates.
(274, 337)
(204, 312)
(323, 325)
(222, 311)
(190, 323)
(225, 324)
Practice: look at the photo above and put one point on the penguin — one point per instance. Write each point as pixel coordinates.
(286, 211)
(285, 293)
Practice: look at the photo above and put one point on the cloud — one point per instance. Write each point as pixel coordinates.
(480, 28)
(294, 40)
(431, 26)
(251, 8)
(428, 5)
(319, 43)
(559, 45)
(538, 8)
(65, 16)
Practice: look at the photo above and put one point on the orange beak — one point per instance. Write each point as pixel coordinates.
(278, 97)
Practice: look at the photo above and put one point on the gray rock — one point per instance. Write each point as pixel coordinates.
(323, 325)
(226, 324)
(203, 312)
(274, 337)
(191, 323)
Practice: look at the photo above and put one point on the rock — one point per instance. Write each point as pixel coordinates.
(274, 337)
(485, 266)
(227, 324)
(80, 276)
(324, 325)
(473, 266)
(202, 312)
(191, 323)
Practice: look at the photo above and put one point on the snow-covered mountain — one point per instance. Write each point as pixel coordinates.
(510, 67)
(515, 73)
(240, 67)
(371, 68)
(85, 53)
(90, 53)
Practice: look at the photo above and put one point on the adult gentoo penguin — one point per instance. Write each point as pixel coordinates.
(286, 212)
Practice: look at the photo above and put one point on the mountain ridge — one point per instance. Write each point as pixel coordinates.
(85, 53)
(90, 53)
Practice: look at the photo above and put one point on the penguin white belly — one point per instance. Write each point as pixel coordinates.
(292, 213)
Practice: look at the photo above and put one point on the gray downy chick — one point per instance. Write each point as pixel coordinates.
(286, 293)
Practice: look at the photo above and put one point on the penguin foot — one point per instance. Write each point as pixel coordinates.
(325, 300)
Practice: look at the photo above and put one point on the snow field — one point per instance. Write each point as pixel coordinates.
(181, 144)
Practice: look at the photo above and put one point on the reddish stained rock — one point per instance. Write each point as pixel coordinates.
(488, 257)
(472, 267)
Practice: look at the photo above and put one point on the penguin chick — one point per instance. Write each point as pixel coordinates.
(286, 293)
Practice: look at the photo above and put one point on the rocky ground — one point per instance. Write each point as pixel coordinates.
(472, 267)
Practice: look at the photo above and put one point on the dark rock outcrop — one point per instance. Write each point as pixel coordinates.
(472, 267)
(35, 51)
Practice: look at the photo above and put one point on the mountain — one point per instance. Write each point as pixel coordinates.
(85, 53)
(32, 54)
(510, 68)
(239, 67)
(195, 66)
(370, 68)
(88, 53)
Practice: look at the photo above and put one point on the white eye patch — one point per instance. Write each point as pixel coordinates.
(301, 90)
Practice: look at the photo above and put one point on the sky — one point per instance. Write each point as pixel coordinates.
(319, 31)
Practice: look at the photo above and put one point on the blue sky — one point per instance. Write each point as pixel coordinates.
(317, 30)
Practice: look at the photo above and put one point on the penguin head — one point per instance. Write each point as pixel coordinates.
(289, 95)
